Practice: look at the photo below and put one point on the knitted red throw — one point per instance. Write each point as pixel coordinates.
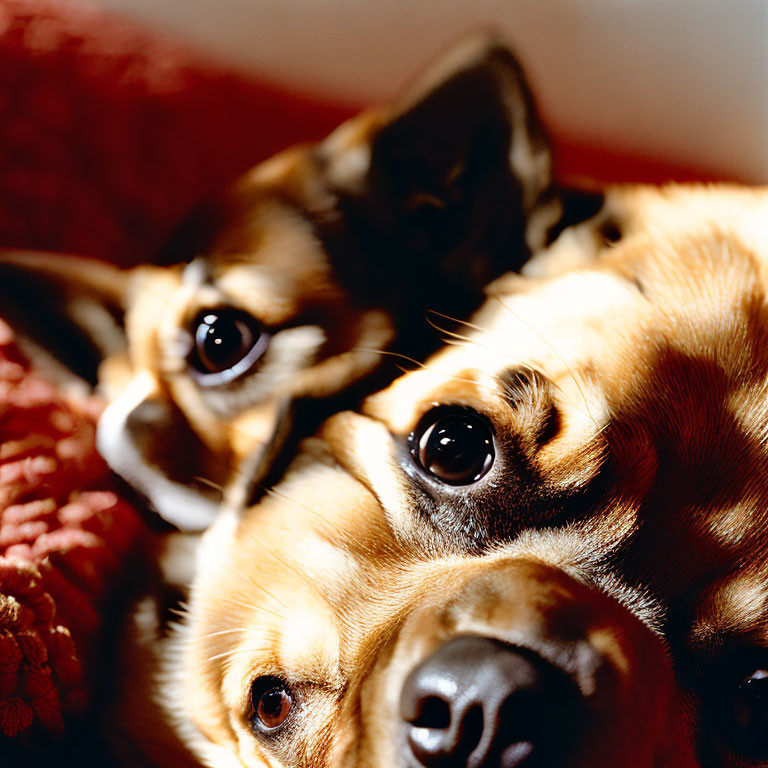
(64, 534)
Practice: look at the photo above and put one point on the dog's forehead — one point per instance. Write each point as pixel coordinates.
(270, 262)
(547, 326)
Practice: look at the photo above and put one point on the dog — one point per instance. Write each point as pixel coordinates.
(546, 547)
(286, 289)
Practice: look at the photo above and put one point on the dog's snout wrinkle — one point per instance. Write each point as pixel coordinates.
(478, 702)
(529, 393)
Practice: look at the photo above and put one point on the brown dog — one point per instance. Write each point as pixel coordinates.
(549, 547)
(286, 289)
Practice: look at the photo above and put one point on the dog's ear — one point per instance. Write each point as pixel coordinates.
(455, 181)
(65, 307)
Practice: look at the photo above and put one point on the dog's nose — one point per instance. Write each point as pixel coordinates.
(478, 702)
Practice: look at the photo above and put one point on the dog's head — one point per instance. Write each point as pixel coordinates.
(548, 547)
(289, 285)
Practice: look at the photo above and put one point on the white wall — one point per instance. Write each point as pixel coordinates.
(683, 81)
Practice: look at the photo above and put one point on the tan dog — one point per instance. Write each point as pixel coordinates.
(286, 289)
(549, 547)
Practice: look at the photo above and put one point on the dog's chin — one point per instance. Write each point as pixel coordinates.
(518, 665)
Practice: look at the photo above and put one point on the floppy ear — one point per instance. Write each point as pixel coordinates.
(68, 307)
(456, 187)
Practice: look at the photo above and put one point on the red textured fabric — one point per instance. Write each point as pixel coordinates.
(64, 536)
(110, 134)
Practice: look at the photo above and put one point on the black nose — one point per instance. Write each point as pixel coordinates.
(478, 702)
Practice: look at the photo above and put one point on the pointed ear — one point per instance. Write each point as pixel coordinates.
(70, 307)
(458, 174)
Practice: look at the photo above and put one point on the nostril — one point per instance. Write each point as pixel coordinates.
(469, 732)
(434, 712)
(477, 702)
(436, 741)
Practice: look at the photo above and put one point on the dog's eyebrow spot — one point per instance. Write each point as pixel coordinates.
(519, 385)
(529, 393)
(735, 607)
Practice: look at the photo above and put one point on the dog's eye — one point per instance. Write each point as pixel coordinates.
(748, 716)
(455, 447)
(272, 703)
(227, 342)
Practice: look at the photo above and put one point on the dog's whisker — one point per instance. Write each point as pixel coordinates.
(272, 491)
(182, 612)
(257, 607)
(233, 652)
(233, 631)
(210, 483)
(424, 367)
(157, 294)
(239, 603)
(260, 587)
(456, 320)
(389, 353)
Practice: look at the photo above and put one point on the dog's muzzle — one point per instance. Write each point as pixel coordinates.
(479, 702)
(513, 663)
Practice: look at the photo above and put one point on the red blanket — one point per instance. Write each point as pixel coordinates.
(64, 536)
(109, 134)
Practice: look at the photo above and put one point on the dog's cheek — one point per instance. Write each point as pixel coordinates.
(381, 738)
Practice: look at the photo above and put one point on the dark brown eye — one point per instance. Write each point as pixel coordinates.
(227, 342)
(454, 447)
(749, 716)
(272, 702)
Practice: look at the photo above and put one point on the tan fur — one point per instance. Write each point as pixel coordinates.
(653, 352)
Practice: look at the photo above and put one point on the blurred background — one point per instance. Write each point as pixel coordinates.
(118, 116)
(683, 82)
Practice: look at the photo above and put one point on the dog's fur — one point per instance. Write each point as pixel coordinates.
(334, 251)
(620, 537)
